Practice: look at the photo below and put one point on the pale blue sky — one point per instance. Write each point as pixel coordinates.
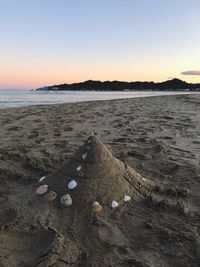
(48, 42)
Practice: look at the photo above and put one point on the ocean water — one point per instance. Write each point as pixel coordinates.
(19, 98)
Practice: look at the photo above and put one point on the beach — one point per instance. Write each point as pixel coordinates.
(157, 136)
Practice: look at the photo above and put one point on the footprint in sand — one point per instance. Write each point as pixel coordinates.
(7, 217)
(33, 248)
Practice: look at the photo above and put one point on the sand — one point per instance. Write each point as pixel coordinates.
(157, 136)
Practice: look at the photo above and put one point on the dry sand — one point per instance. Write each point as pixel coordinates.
(157, 136)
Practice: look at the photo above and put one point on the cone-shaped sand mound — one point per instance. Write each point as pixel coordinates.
(93, 174)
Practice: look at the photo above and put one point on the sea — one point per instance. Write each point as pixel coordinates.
(20, 98)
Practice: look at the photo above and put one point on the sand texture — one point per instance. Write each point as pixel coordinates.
(148, 148)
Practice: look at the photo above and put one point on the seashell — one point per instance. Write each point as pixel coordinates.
(84, 156)
(91, 133)
(126, 198)
(96, 207)
(41, 190)
(72, 184)
(114, 204)
(89, 141)
(66, 200)
(143, 179)
(50, 196)
(42, 179)
(78, 168)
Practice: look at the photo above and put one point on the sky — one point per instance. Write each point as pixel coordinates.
(47, 42)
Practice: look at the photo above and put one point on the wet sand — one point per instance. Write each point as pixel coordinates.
(157, 136)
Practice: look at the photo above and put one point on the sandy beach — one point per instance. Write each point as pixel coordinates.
(157, 136)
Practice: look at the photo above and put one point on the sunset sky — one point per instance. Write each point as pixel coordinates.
(46, 42)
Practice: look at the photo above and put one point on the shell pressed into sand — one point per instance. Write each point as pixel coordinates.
(126, 198)
(41, 190)
(78, 168)
(66, 200)
(50, 196)
(72, 184)
(84, 156)
(42, 179)
(96, 207)
(114, 204)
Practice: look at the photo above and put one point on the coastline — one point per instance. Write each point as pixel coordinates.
(158, 136)
(21, 98)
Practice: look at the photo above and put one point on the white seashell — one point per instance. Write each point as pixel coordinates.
(84, 156)
(41, 190)
(143, 179)
(42, 179)
(114, 204)
(78, 168)
(66, 200)
(89, 141)
(126, 198)
(72, 184)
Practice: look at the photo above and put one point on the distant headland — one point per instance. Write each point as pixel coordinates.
(169, 85)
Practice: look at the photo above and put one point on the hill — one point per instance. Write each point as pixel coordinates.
(171, 85)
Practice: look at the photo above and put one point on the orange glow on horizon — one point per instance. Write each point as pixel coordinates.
(34, 76)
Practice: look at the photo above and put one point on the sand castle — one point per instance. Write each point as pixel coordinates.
(93, 178)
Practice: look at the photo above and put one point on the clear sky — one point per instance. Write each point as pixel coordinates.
(46, 42)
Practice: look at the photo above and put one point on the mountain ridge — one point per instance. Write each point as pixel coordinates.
(95, 85)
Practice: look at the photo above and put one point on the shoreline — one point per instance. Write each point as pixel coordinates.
(96, 100)
(157, 136)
